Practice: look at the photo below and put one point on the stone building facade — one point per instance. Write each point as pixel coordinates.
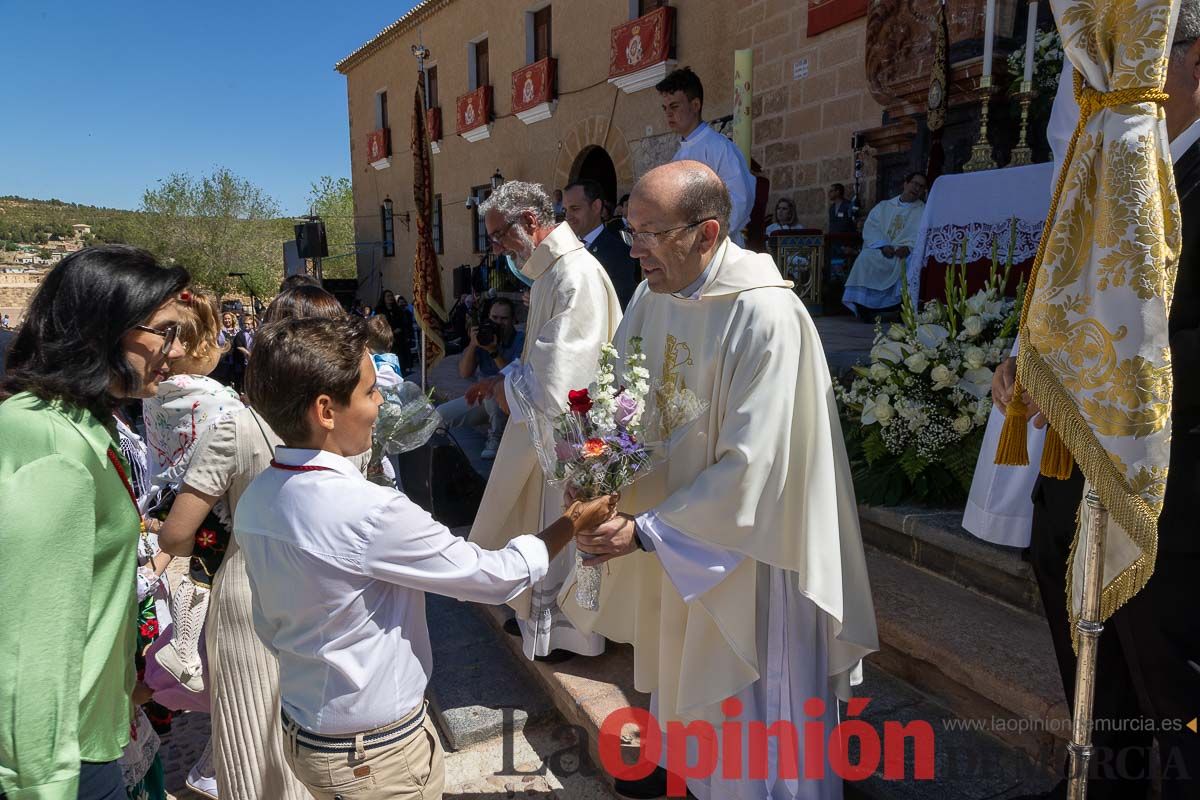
(565, 102)
(810, 98)
(599, 118)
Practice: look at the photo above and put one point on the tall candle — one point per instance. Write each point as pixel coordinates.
(1030, 41)
(989, 33)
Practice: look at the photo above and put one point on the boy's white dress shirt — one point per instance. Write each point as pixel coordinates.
(339, 567)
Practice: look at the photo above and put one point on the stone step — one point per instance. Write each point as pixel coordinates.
(968, 764)
(980, 658)
(935, 540)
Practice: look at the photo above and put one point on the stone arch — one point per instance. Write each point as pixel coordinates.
(590, 132)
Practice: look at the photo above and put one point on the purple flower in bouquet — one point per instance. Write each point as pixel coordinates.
(626, 409)
(563, 450)
(626, 443)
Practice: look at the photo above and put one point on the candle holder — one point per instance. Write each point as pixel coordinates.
(981, 152)
(1022, 154)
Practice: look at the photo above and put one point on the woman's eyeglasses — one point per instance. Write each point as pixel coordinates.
(168, 335)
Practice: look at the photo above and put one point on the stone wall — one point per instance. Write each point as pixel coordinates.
(591, 112)
(16, 290)
(810, 97)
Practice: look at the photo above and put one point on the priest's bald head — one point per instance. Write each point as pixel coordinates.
(678, 215)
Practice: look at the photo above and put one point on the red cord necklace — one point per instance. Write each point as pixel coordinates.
(304, 468)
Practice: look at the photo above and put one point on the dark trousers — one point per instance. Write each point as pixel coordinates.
(103, 781)
(1148, 664)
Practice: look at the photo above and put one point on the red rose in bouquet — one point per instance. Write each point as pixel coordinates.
(580, 401)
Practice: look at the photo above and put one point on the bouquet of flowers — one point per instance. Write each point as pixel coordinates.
(607, 438)
(914, 418)
(406, 420)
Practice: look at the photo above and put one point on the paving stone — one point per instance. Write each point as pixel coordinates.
(478, 687)
(969, 765)
(978, 656)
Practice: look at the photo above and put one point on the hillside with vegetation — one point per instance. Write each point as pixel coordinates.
(213, 224)
(36, 221)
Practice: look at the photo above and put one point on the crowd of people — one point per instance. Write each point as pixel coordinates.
(164, 426)
(161, 426)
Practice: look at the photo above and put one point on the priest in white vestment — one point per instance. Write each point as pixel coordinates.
(889, 236)
(573, 310)
(736, 569)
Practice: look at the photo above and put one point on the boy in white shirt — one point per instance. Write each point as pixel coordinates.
(339, 567)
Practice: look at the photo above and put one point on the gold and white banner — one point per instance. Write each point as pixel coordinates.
(1094, 350)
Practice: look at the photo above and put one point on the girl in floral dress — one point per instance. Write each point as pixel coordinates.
(186, 406)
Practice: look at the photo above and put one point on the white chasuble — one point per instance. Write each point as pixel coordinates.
(874, 281)
(573, 310)
(763, 475)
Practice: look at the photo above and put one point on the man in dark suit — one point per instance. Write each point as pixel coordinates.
(584, 205)
(1148, 662)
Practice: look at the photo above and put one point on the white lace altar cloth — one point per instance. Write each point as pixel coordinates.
(977, 207)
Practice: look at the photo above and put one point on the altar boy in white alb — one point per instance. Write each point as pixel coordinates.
(737, 568)
(339, 567)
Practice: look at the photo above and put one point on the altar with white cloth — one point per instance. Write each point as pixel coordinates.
(978, 208)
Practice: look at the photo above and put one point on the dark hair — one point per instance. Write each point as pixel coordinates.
(841, 187)
(591, 189)
(914, 174)
(380, 333)
(295, 361)
(624, 199)
(69, 348)
(682, 80)
(300, 279)
(504, 301)
(303, 301)
(702, 195)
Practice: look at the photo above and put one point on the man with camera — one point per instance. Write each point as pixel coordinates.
(493, 345)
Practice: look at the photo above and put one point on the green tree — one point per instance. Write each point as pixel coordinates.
(332, 199)
(214, 225)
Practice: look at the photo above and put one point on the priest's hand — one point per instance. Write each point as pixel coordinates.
(501, 396)
(1002, 383)
(480, 391)
(888, 251)
(1002, 392)
(617, 537)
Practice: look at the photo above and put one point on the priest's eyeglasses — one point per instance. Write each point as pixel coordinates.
(649, 239)
(495, 237)
(168, 335)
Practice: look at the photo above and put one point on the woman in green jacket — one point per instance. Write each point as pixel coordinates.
(100, 329)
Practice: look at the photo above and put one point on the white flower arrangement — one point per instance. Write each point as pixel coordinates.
(914, 416)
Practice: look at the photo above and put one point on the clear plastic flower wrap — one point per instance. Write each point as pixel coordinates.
(406, 419)
(608, 437)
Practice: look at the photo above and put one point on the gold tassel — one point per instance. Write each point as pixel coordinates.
(1013, 450)
(1056, 458)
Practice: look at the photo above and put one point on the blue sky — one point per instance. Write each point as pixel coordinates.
(102, 99)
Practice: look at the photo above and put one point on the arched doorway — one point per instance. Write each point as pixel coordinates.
(594, 163)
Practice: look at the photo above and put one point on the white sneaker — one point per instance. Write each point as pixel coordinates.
(202, 777)
(489, 449)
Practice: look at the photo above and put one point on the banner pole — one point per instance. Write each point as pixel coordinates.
(1088, 629)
